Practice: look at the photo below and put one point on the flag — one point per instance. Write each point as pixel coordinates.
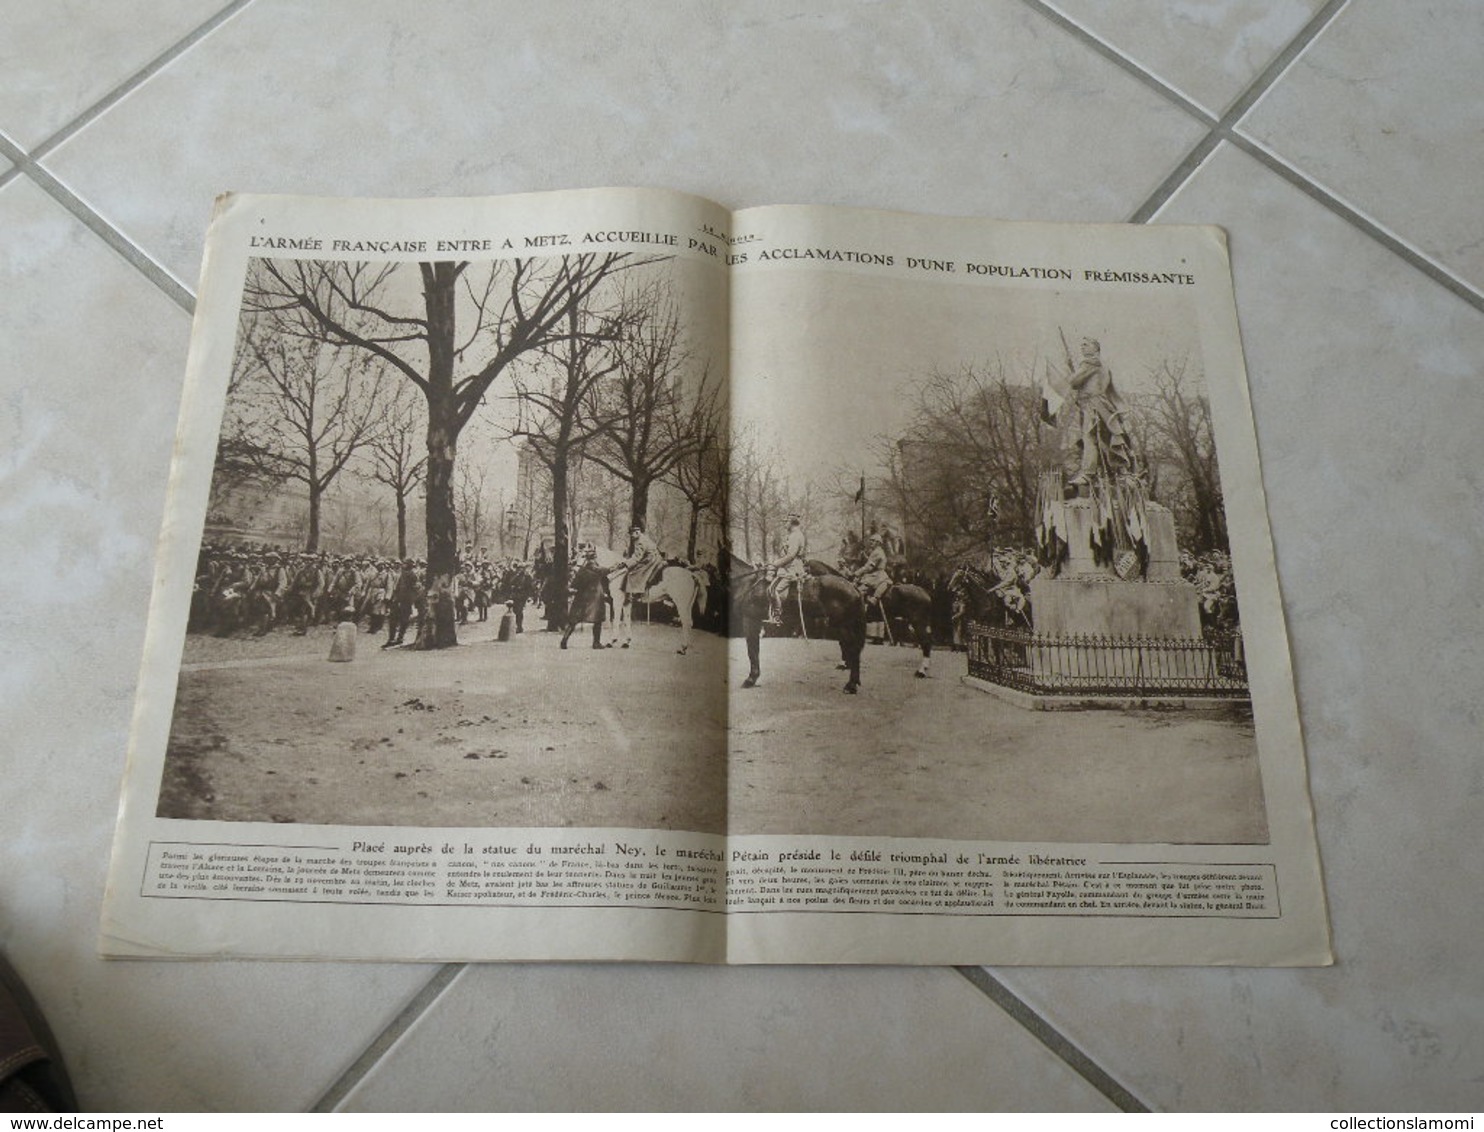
(860, 492)
(1054, 394)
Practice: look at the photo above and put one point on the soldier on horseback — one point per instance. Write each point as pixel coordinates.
(641, 562)
(788, 568)
(872, 577)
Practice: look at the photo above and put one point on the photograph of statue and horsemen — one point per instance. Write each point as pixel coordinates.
(980, 566)
(463, 562)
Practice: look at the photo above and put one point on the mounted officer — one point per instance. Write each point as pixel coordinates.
(788, 568)
(872, 576)
(641, 562)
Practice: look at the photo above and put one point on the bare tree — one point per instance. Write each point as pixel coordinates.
(599, 498)
(304, 406)
(757, 503)
(645, 423)
(974, 449)
(470, 504)
(397, 454)
(1183, 445)
(452, 337)
(701, 472)
(555, 398)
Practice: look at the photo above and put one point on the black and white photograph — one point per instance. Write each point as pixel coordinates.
(547, 562)
(462, 561)
(1006, 506)
(499, 544)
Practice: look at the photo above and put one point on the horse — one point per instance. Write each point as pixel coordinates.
(911, 607)
(902, 606)
(837, 600)
(982, 596)
(683, 586)
(589, 602)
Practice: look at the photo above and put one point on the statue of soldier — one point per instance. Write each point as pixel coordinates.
(1094, 415)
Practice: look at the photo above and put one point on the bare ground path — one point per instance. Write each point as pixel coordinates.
(524, 734)
(487, 734)
(935, 758)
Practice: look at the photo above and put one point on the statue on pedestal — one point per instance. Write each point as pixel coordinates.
(1097, 469)
(1086, 406)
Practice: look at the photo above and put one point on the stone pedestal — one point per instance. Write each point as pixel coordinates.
(1122, 616)
(1104, 606)
(1164, 554)
(1089, 599)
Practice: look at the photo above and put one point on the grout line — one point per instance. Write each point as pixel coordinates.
(1227, 130)
(1122, 62)
(1280, 63)
(1182, 172)
(398, 1026)
(1052, 1039)
(12, 152)
(130, 251)
(138, 79)
(28, 163)
(1224, 127)
(1389, 240)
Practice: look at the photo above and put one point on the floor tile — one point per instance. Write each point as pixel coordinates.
(1368, 398)
(1208, 50)
(962, 108)
(59, 58)
(749, 1039)
(1386, 110)
(88, 398)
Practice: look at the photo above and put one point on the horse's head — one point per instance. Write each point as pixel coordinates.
(969, 580)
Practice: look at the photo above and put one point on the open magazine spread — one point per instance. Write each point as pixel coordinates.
(608, 575)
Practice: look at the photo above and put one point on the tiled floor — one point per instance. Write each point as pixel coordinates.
(1342, 145)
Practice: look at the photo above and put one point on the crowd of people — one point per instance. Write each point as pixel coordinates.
(253, 588)
(256, 587)
(1211, 575)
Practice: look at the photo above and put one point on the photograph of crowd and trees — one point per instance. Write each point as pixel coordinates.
(521, 543)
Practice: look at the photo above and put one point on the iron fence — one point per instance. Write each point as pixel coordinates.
(1213, 665)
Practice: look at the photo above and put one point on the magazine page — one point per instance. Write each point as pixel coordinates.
(433, 669)
(1013, 684)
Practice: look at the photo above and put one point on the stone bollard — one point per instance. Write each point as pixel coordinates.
(507, 624)
(343, 647)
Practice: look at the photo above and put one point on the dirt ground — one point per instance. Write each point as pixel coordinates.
(487, 734)
(937, 758)
(524, 734)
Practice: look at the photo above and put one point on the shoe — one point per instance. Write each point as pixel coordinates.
(32, 1076)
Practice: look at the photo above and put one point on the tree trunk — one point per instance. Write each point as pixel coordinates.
(556, 587)
(639, 507)
(695, 525)
(401, 524)
(435, 629)
(311, 543)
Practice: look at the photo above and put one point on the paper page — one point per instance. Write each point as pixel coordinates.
(412, 423)
(1008, 433)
